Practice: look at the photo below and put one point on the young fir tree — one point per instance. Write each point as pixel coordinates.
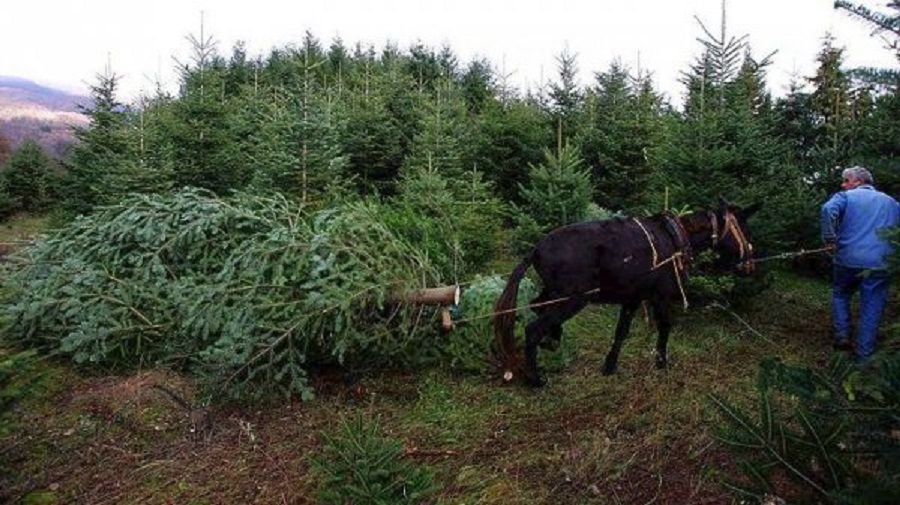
(469, 214)
(380, 119)
(201, 133)
(294, 148)
(797, 123)
(875, 135)
(478, 86)
(440, 143)
(558, 192)
(566, 99)
(29, 179)
(104, 162)
(370, 138)
(724, 143)
(830, 101)
(512, 135)
(340, 66)
(625, 129)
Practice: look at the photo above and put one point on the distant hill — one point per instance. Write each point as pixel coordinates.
(47, 115)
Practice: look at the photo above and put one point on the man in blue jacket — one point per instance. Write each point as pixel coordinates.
(853, 222)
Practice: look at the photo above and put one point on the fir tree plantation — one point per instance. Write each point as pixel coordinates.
(263, 223)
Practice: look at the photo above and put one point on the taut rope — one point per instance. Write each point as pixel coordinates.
(791, 254)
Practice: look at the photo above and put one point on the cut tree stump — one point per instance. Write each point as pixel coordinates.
(444, 296)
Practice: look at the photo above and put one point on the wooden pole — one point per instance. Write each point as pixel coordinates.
(444, 295)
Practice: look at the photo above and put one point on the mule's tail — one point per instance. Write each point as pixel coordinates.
(505, 321)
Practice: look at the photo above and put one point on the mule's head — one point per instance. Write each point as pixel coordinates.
(732, 237)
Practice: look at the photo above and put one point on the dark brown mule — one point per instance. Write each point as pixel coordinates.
(620, 261)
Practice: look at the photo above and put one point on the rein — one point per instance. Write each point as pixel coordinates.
(791, 254)
(734, 229)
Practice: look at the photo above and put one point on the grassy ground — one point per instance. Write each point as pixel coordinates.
(640, 436)
(637, 437)
(19, 230)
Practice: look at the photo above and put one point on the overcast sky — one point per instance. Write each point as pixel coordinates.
(67, 42)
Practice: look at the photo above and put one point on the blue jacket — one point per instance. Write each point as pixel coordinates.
(855, 220)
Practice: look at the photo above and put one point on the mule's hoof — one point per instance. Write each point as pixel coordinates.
(662, 364)
(608, 369)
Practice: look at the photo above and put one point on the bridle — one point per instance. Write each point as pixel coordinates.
(732, 228)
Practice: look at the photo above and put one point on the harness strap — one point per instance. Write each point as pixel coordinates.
(679, 234)
(677, 259)
(732, 227)
(649, 240)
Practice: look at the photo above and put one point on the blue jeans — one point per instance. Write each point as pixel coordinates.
(873, 288)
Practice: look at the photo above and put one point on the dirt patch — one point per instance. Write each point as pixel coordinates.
(121, 440)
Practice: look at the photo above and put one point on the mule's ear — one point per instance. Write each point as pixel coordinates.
(749, 211)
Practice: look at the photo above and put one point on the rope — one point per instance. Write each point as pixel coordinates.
(522, 307)
(649, 240)
(676, 260)
(792, 254)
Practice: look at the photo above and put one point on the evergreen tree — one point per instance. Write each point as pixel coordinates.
(558, 192)
(830, 101)
(372, 141)
(883, 24)
(393, 98)
(566, 98)
(154, 171)
(239, 71)
(797, 124)
(294, 148)
(202, 133)
(726, 143)
(29, 179)
(478, 86)
(512, 136)
(625, 130)
(439, 144)
(876, 115)
(428, 69)
(108, 162)
(340, 66)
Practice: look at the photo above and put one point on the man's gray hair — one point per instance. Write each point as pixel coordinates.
(859, 173)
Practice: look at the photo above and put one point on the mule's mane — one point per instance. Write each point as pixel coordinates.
(700, 228)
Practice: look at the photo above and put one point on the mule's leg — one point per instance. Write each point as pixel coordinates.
(553, 338)
(554, 334)
(626, 314)
(663, 316)
(548, 323)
